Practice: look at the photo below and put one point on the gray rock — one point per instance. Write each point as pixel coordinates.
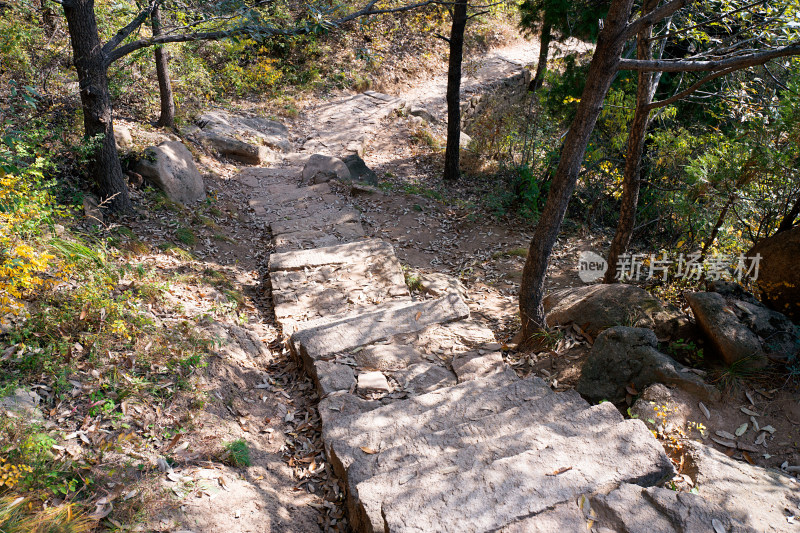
(622, 355)
(634, 509)
(423, 114)
(344, 254)
(733, 340)
(597, 307)
(123, 137)
(388, 357)
(251, 154)
(373, 382)
(170, 167)
(720, 480)
(321, 168)
(359, 170)
(334, 377)
(91, 210)
(251, 130)
(464, 140)
(438, 284)
(22, 403)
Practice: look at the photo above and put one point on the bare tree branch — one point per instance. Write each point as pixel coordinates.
(125, 32)
(708, 21)
(654, 16)
(681, 65)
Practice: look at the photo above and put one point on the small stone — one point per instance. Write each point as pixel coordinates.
(373, 382)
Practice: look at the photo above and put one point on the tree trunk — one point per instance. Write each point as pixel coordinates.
(544, 49)
(452, 152)
(90, 63)
(631, 181)
(601, 73)
(167, 118)
(788, 221)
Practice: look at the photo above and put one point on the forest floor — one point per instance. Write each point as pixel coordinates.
(217, 276)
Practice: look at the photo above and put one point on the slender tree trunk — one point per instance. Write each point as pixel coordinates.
(452, 152)
(91, 65)
(544, 49)
(601, 73)
(788, 221)
(631, 181)
(167, 118)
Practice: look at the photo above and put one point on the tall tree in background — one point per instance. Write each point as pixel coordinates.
(559, 20)
(606, 61)
(452, 154)
(167, 117)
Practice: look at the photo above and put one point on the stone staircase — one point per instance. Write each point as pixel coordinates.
(423, 421)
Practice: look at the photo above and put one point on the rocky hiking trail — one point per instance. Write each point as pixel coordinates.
(413, 420)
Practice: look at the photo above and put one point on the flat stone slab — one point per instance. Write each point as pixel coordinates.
(474, 365)
(420, 378)
(319, 238)
(287, 193)
(342, 254)
(323, 219)
(485, 497)
(400, 472)
(323, 338)
(634, 509)
(372, 382)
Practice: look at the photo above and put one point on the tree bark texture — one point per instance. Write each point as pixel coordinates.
(91, 66)
(602, 71)
(631, 181)
(167, 118)
(544, 49)
(452, 152)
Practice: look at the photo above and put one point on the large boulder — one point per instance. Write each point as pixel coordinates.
(732, 339)
(322, 168)
(170, 167)
(623, 356)
(778, 275)
(252, 140)
(597, 307)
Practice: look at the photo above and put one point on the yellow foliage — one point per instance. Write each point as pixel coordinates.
(11, 474)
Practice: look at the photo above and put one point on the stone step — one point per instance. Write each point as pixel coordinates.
(402, 467)
(343, 254)
(475, 365)
(380, 428)
(323, 338)
(278, 194)
(307, 239)
(471, 498)
(634, 509)
(321, 220)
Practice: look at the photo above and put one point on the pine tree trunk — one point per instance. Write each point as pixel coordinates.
(90, 63)
(788, 221)
(601, 73)
(452, 152)
(631, 181)
(544, 49)
(167, 118)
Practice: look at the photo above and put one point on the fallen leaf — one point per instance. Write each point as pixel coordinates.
(173, 442)
(747, 411)
(368, 450)
(726, 435)
(718, 527)
(559, 471)
(741, 430)
(748, 458)
(101, 511)
(631, 389)
(703, 408)
(419, 314)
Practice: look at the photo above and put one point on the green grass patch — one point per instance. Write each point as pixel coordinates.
(237, 453)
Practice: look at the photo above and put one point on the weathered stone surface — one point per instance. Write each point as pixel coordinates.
(244, 152)
(565, 517)
(323, 219)
(170, 167)
(622, 355)
(438, 284)
(549, 422)
(332, 377)
(123, 137)
(633, 509)
(321, 168)
(91, 210)
(322, 338)
(255, 131)
(22, 403)
(282, 193)
(340, 405)
(598, 307)
(474, 365)
(426, 413)
(359, 170)
(778, 275)
(720, 480)
(424, 377)
(373, 382)
(334, 255)
(485, 497)
(238, 344)
(424, 114)
(388, 357)
(733, 340)
(464, 140)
